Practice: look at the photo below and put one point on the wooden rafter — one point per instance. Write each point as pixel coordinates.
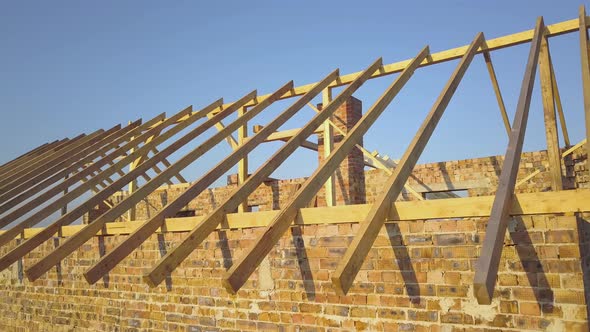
(73, 160)
(237, 275)
(486, 269)
(548, 96)
(90, 230)
(148, 228)
(96, 225)
(89, 204)
(376, 162)
(22, 159)
(31, 170)
(363, 241)
(13, 172)
(20, 198)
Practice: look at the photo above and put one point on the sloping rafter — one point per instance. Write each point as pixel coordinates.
(486, 269)
(363, 241)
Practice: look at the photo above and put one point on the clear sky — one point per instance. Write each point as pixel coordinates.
(73, 67)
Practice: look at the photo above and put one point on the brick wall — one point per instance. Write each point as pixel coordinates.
(417, 277)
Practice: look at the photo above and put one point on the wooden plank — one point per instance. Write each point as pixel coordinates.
(486, 269)
(73, 160)
(583, 23)
(488, 59)
(233, 143)
(567, 201)
(286, 135)
(121, 251)
(454, 53)
(546, 80)
(566, 137)
(328, 136)
(92, 228)
(362, 242)
(76, 192)
(18, 199)
(237, 275)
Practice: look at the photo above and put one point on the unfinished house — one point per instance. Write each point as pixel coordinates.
(102, 232)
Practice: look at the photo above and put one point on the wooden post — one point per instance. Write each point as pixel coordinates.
(487, 265)
(546, 80)
(349, 266)
(243, 163)
(328, 137)
(585, 57)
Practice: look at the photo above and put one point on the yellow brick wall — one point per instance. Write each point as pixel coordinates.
(417, 277)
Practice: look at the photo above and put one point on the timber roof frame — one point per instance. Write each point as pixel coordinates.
(40, 175)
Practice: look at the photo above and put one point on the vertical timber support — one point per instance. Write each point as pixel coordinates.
(243, 163)
(585, 58)
(547, 93)
(328, 147)
(132, 185)
(64, 209)
(486, 269)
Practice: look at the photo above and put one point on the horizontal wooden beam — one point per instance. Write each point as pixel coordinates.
(454, 53)
(566, 201)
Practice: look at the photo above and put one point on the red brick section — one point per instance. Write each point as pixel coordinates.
(350, 176)
(417, 277)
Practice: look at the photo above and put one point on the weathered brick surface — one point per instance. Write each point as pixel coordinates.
(416, 278)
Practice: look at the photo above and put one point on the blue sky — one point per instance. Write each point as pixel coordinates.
(73, 67)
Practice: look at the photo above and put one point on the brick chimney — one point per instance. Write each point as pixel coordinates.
(349, 178)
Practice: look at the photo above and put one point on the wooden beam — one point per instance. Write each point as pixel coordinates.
(146, 229)
(233, 143)
(92, 228)
(166, 163)
(27, 157)
(18, 199)
(546, 80)
(573, 148)
(362, 242)
(376, 162)
(243, 163)
(89, 204)
(486, 269)
(583, 23)
(241, 192)
(286, 135)
(241, 270)
(13, 172)
(562, 202)
(566, 137)
(72, 160)
(488, 59)
(328, 136)
(17, 178)
(454, 53)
